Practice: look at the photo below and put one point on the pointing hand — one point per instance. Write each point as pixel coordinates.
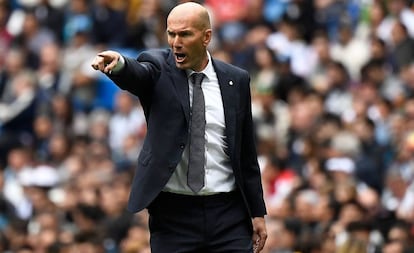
(106, 61)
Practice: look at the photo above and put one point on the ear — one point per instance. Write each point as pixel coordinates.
(207, 37)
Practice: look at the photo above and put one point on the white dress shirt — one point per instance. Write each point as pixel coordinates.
(218, 172)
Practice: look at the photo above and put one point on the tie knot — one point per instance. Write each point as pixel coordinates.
(197, 78)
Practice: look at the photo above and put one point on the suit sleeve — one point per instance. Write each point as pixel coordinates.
(249, 163)
(138, 75)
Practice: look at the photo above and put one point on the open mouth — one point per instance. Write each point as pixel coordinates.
(180, 57)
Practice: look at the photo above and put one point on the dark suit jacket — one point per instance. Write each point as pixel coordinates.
(163, 92)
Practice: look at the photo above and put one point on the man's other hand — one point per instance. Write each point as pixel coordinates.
(259, 234)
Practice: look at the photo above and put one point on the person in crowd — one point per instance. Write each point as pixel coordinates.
(32, 38)
(402, 46)
(17, 114)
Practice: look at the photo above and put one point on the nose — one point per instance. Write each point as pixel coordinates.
(176, 42)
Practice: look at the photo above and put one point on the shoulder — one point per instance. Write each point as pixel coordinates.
(154, 59)
(160, 54)
(154, 55)
(230, 68)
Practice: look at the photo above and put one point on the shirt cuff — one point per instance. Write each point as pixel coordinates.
(119, 66)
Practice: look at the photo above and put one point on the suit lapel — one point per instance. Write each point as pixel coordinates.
(230, 97)
(180, 82)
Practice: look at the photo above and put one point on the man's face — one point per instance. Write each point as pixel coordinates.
(188, 42)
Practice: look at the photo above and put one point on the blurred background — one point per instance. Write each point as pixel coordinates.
(332, 86)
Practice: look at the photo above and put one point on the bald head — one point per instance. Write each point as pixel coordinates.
(195, 12)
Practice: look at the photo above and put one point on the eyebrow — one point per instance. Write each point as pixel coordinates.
(181, 32)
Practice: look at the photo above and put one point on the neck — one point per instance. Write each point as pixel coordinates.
(203, 64)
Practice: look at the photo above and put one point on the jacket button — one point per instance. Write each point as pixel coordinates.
(182, 146)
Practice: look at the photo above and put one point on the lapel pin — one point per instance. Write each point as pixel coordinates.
(230, 82)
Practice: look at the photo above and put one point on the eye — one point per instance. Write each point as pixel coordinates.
(170, 34)
(185, 34)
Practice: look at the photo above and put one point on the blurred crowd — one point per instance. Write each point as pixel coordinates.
(333, 105)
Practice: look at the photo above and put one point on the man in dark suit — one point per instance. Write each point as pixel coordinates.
(219, 208)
